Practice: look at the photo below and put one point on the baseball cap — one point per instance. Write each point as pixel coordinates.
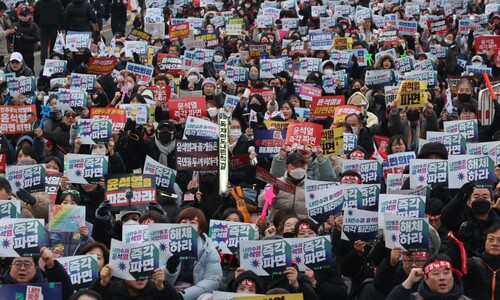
(16, 56)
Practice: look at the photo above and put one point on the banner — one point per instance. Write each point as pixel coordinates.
(165, 177)
(265, 258)
(370, 170)
(101, 65)
(133, 262)
(323, 199)
(200, 129)
(86, 169)
(94, 131)
(332, 141)
(54, 66)
(470, 168)
(401, 205)
(143, 189)
(227, 235)
(10, 209)
(17, 119)
(66, 218)
(359, 225)
(81, 269)
(468, 128)
(268, 143)
(454, 142)
(21, 237)
(312, 252)
(180, 109)
(410, 234)
(428, 172)
(304, 134)
(264, 175)
(197, 155)
(117, 116)
(28, 177)
(141, 72)
(180, 240)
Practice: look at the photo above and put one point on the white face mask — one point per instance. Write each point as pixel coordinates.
(130, 85)
(217, 58)
(448, 42)
(212, 112)
(192, 78)
(99, 151)
(476, 63)
(328, 71)
(297, 173)
(355, 130)
(235, 134)
(403, 45)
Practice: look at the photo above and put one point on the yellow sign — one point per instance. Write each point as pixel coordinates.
(273, 297)
(342, 43)
(276, 125)
(332, 141)
(412, 93)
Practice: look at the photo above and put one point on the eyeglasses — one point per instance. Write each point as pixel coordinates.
(414, 261)
(72, 192)
(71, 115)
(492, 240)
(25, 264)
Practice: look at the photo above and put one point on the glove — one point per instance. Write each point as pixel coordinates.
(129, 126)
(156, 207)
(172, 264)
(466, 190)
(26, 197)
(102, 211)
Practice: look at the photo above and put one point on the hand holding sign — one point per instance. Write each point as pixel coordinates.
(47, 257)
(105, 274)
(158, 278)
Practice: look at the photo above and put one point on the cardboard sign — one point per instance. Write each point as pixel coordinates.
(412, 93)
(408, 233)
(197, 155)
(66, 218)
(470, 168)
(116, 115)
(143, 189)
(94, 131)
(370, 170)
(165, 177)
(17, 119)
(227, 235)
(359, 225)
(101, 65)
(265, 258)
(303, 134)
(322, 202)
(141, 72)
(180, 240)
(314, 253)
(200, 129)
(133, 262)
(180, 109)
(82, 269)
(86, 169)
(28, 177)
(21, 237)
(428, 172)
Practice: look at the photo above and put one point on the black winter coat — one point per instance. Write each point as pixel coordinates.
(49, 14)
(80, 14)
(25, 38)
(117, 290)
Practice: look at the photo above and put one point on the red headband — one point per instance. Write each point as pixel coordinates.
(352, 178)
(357, 153)
(433, 218)
(423, 254)
(147, 221)
(304, 225)
(248, 282)
(441, 264)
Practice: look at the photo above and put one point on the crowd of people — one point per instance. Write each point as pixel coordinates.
(461, 265)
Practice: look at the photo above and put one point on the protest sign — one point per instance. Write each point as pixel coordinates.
(439, 51)
(200, 129)
(408, 233)
(81, 269)
(321, 41)
(265, 258)
(341, 57)
(71, 99)
(86, 169)
(370, 170)
(156, 29)
(314, 253)
(85, 82)
(180, 240)
(342, 43)
(468, 128)
(359, 224)
(165, 177)
(197, 155)
(28, 177)
(424, 65)
(350, 141)
(237, 74)
(438, 26)
(10, 209)
(66, 218)
(24, 85)
(138, 112)
(136, 47)
(269, 67)
(211, 38)
(143, 189)
(141, 72)
(256, 49)
(161, 93)
(342, 111)
(227, 235)
(169, 62)
(54, 66)
(136, 34)
(404, 64)
(323, 199)
(132, 261)
(407, 27)
(432, 172)
(486, 43)
(101, 65)
(17, 119)
(264, 175)
(94, 131)
(76, 39)
(30, 291)
(276, 125)
(180, 109)
(478, 169)
(401, 205)
(398, 161)
(325, 106)
(492, 149)
(52, 183)
(377, 79)
(290, 23)
(332, 141)
(309, 64)
(268, 142)
(304, 134)
(116, 115)
(309, 91)
(454, 142)
(135, 234)
(395, 181)
(21, 237)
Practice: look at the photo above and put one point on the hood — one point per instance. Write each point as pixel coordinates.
(383, 57)
(221, 50)
(357, 98)
(24, 138)
(249, 275)
(323, 64)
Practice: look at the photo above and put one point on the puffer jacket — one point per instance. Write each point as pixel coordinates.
(79, 15)
(49, 14)
(285, 200)
(24, 71)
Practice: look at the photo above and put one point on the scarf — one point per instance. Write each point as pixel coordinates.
(455, 293)
(164, 151)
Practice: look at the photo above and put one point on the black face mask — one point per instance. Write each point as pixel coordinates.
(379, 99)
(165, 137)
(412, 115)
(288, 235)
(255, 107)
(481, 206)
(355, 90)
(464, 97)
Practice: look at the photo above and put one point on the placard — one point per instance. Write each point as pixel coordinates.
(410, 234)
(428, 172)
(81, 269)
(197, 155)
(269, 67)
(359, 225)
(101, 65)
(321, 41)
(227, 235)
(454, 142)
(200, 129)
(478, 169)
(70, 99)
(323, 199)
(133, 262)
(332, 141)
(314, 253)
(10, 209)
(28, 177)
(54, 66)
(86, 169)
(165, 177)
(265, 258)
(117, 116)
(268, 142)
(370, 170)
(141, 72)
(17, 119)
(180, 240)
(85, 82)
(66, 218)
(135, 234)
(180, 109)
(401, 205)
(143, 189)
(468, 128)
(21, 237)
(304, 134)
(94, 131)
(325, 106)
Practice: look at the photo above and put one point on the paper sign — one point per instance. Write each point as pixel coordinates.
(401, 205)
(370, 170)
(269, 67)
(70, 99)
(359, 225)
(180, 109)
(486, 43)
(54, 66)
(323, 199)
(17, 119)
(470, 168)
(92, 131)
(117, 116)
(180, 240)
(411, 234)
(227, 235)
(143, 189)
(10, 209)
(141, 72)
(133, 262)
(332, 141)
(86, 169)
(165, 177)
(412, 93)
(28, 177)
(135, 234)
(303, 134)
(85, 82)
(200, 129)
(76, 39)
(454, 142)
(138, 112)
(269, 142)
(265, 258)
(101, 65)
(21, 237)
(197, 155)
(350, 141)
(66, 218)
(428, 172)
(492, 149)
(82, 269)
(468, 128)
(312, 252)
(325, 106)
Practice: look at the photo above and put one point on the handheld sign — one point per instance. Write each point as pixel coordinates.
(132, 261)
(359, 225)
(265, 258)
(81, 269)
(66, 218)
(21, 237)
(228, 235)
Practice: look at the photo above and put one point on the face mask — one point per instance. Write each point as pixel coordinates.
(254, 107)
(297, 173)
(380, 99)
(130, 85)
(99, 151)
(192, 78)
(212, 112)
(476, 63)
(448, 42)
(253, 76)
(355, 90)
(217, 58)
(247, 5)
(328, 72)
(464, 97)
(355, 130)
(481, 206)
(164, 137)
(412, 115)
(235, 134)
(403, 45)
(288, 235)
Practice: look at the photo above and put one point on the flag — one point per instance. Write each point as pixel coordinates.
(112, 46)
(59, 44)
(102, 49)
(448, 105)
(253, 117)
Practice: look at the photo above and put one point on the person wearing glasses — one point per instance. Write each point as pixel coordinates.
(60, 134)
(24, 270)
(465, 91)
(69, 243)
(16, 65)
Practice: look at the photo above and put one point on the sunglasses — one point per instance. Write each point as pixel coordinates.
(72, 192)
(71, 115)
